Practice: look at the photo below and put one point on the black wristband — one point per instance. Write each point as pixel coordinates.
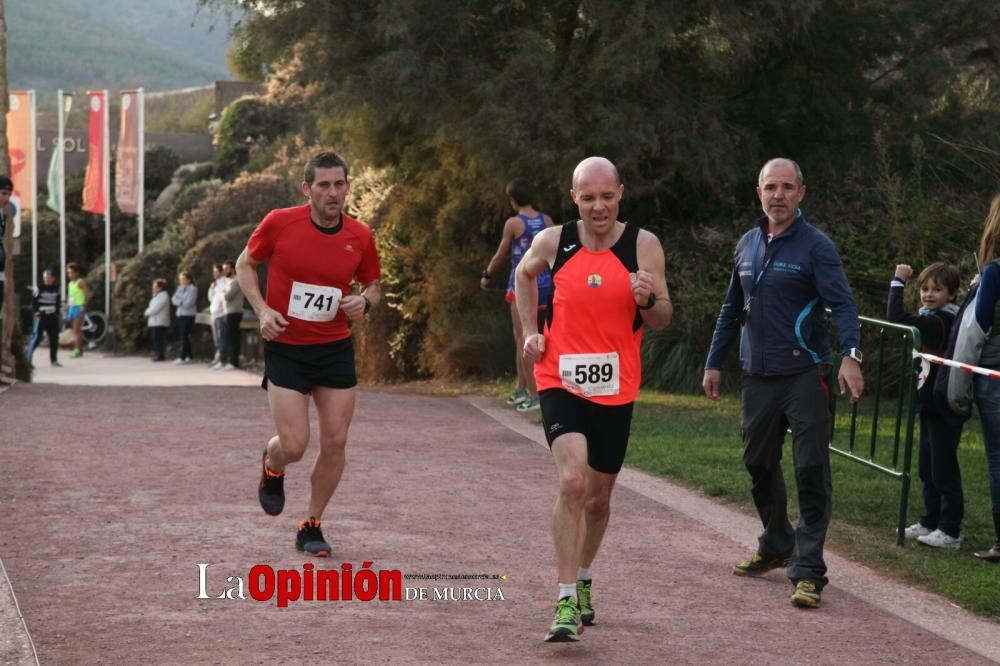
(486, 276)
(650, 303)
(368, 304)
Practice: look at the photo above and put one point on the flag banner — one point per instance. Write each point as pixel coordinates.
(93, 182)
(19, 145)
(127, 185)
(52, 183)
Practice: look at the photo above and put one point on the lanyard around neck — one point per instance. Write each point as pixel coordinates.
(756, 251)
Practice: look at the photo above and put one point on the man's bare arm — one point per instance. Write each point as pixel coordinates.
(651, 279)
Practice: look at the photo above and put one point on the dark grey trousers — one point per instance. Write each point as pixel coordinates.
(770, 406)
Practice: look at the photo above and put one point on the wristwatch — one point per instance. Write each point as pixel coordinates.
(368, 304)
(650, 303)
(855, 353)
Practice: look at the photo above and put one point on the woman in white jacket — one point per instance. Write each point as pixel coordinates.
(158, 318)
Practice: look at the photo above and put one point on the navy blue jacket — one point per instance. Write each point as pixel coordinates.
(934, 326)
(789, 283)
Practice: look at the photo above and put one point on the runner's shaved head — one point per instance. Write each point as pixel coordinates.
(592, 165)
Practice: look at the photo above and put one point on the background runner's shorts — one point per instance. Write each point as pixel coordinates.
(73, 312)
(304, 367)
(544, 295)
(606, 427)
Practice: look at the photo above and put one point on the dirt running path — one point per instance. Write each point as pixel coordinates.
(111, 498)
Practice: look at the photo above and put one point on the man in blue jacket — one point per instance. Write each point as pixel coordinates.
(785, 274)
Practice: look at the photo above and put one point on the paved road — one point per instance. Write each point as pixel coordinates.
(114, 495)
(96, 369)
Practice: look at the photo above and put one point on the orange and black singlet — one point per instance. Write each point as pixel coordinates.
(593, 330)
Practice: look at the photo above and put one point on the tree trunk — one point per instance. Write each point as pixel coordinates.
(10, 290)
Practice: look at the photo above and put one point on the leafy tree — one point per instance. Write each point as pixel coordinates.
(246, 124)
(688, 99)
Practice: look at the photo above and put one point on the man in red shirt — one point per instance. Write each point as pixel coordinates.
(609, 283)
(313, 253)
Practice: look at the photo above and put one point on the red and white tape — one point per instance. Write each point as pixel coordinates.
(931, 358)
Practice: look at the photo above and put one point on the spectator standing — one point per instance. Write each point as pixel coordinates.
(944, 504)
(158, 318)
(186, 299)
(232, 298)
(46, 304)
(217, 311)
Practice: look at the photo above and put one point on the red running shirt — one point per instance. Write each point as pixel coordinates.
(593, 315)
(307, 271)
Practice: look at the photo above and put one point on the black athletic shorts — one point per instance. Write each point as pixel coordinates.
(606, 427)
(304, 367)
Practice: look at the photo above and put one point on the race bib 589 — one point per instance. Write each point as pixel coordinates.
(590, 374)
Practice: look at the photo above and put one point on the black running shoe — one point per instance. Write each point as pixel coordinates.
(272, 489)
(310, 539)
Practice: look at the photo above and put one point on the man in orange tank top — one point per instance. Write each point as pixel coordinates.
(608, 284)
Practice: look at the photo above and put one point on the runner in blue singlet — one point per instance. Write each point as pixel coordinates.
(518, 232)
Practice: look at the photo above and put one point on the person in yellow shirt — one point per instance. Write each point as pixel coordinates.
(76, 298)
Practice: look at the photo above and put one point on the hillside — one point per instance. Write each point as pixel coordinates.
(157, 44)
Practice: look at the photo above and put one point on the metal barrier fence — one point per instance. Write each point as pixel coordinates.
(863, 446)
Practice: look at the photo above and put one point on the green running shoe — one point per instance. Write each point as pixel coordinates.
(566, 626)
(517, 397)
(529, 405)
(584, 602)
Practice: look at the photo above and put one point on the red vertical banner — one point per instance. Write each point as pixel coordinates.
(93, 184)
(20, 141)
(127, 186)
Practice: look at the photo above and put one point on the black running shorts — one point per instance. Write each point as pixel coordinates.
(304, 367)
(606, 427)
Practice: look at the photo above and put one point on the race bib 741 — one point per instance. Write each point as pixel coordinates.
(313, 302)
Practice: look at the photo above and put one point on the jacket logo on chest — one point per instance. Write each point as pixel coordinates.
(594, 280)
(349, 247)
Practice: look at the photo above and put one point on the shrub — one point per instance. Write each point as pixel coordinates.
(132, 290)
(161, 163)
(214, 249)
(245, 201)
(198, 173)
(191, 196)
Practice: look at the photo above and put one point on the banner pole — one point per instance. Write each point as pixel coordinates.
(141, 157)
(107, 207)
(62, 194)
(34, 190)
